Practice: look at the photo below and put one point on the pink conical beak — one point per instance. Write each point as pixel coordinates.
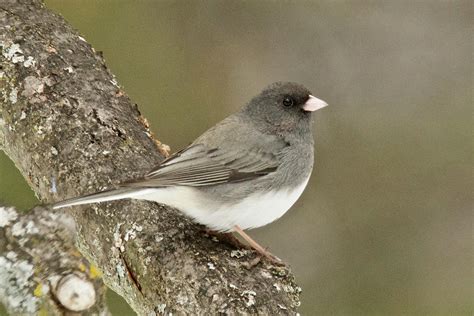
(314, 104)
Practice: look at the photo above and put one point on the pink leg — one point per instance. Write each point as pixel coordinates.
(262, 251)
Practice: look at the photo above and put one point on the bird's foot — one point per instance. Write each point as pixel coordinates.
(262, 252)
(230, 239)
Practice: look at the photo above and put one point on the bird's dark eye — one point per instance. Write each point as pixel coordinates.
(288, 101)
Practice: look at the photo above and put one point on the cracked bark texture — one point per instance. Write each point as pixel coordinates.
(40, 270)
(71, 130)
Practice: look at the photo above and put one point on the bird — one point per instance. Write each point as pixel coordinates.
(245, 172)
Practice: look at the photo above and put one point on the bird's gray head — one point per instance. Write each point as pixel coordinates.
(283, 107)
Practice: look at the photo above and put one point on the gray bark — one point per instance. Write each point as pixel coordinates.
(40, 268)
(71, 130)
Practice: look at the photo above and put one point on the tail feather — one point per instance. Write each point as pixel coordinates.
(109, 195)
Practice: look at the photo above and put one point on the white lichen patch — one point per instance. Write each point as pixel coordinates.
(39, 130)
(159, 237)
(53, 188)
(7, 216)
(238, 253)
(290, 289)
(147, 261)
(49, 82)
(16, 284)
(211, 266)
(12, 51)
(232, 286)
(14, 54)
(277, 287)
(132, 232)
(64, 220)
(120, 270)
(266, 274)
(138, 228)
(161, 308)
(11, 255)
(249, 297)
(69, 69)
(54, 151)
(13, 96)
(52, 50)
(118, 241)
(280, 306)
(18, 59)
(182, 299)
(31, 86)
(30, 61)
(222, 308)
(20, 229)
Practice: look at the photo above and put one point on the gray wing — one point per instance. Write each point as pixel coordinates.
(199, 165)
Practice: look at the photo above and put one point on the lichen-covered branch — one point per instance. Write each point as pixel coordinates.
(70, 129)
(40, 270)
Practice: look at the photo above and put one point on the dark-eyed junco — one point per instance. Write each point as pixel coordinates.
(244, 172)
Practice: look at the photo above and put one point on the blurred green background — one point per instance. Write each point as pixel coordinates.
(385, 225)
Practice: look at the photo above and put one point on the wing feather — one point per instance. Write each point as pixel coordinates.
(198, 165)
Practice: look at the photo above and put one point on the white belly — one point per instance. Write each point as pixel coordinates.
(254, 211)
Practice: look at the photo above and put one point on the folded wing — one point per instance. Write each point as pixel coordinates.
(198, 165)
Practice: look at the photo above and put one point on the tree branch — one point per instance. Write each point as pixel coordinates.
(40, 268)
(70, 129)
